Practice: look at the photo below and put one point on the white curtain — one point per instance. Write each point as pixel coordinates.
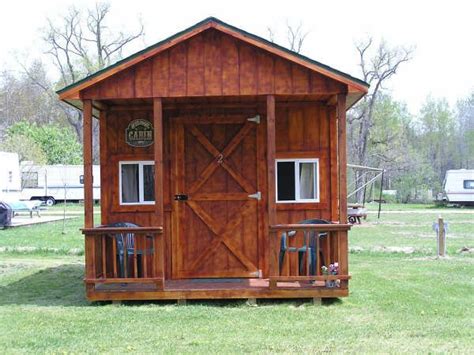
(130, 183)
(307, 179)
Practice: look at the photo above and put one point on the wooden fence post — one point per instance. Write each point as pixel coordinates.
(441, 237)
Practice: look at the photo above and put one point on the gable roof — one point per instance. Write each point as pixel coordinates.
(71, 92)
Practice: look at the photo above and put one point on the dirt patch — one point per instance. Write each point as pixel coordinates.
(404, 250)
(390, 250)
(33, 250)
(466, 250)
(415, 235)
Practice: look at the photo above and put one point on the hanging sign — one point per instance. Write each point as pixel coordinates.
(139, 133)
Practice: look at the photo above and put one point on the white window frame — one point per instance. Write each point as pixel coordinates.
(141, 189)
(297, 180)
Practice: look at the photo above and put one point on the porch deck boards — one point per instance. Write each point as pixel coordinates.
(198, 289)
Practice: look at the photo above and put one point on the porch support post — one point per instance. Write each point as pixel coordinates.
(89, 250)
(158, 152)
(342, 157)
(104, 196)
(159, 218)
(87, 152)
(342, 153)
(271, 149)
(272, 242)
(333, 137)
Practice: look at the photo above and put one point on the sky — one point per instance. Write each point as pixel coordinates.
(441, 33)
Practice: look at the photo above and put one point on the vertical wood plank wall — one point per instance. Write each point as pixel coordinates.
(213, 64)
(300, 131)
(305, 132)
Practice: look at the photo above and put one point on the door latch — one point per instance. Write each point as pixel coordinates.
(180, 197)
(257, 195)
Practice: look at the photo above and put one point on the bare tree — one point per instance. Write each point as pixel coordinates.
(295, 36)
(82, 43)
(80, 47)
(22, 99)
(377, 66)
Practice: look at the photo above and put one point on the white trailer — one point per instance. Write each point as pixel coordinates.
(459, 187)
(51, 183)
(10, 182)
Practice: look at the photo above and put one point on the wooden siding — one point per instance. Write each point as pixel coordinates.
(302, 131)
(213, 64)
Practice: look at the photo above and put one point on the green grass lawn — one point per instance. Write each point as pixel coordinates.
(400, 301)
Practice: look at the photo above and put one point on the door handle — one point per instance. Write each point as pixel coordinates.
(180, 197)
(257, 195)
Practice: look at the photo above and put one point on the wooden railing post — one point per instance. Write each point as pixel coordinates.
(343, 256)
(159, 260)
(90, 257)
(274, 261)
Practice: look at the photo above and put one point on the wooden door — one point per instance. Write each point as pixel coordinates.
(216, 228)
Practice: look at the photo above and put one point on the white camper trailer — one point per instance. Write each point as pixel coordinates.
(459, 187)
(51, 183)
(10, 183)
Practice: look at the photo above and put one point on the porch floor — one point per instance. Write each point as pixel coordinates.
(213, 289)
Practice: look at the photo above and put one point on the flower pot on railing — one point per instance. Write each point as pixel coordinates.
(332, 270)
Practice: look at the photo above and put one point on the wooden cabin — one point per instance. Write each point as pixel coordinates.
(220, 152)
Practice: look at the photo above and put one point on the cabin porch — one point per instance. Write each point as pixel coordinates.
(129, 264)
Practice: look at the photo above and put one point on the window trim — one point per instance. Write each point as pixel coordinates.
(28, 179)
(141, 187)
(297, 162)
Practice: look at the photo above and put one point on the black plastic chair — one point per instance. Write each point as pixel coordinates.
(126, 247)
(309, 249)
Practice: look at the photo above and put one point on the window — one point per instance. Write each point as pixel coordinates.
(297, 180)
(137, 182)
(469, 184)
(29, 179)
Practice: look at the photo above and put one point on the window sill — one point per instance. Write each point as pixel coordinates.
(301, 206)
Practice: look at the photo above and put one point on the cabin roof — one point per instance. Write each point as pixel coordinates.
(71, 92)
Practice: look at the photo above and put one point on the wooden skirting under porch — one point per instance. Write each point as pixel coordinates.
(212, 289)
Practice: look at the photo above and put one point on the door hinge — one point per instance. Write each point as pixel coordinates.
(255, 119)
(257, 195)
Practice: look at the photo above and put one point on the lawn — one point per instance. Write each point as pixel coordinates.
(402, 299)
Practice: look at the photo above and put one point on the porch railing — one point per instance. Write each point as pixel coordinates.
(124, 255)
(327, 242)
